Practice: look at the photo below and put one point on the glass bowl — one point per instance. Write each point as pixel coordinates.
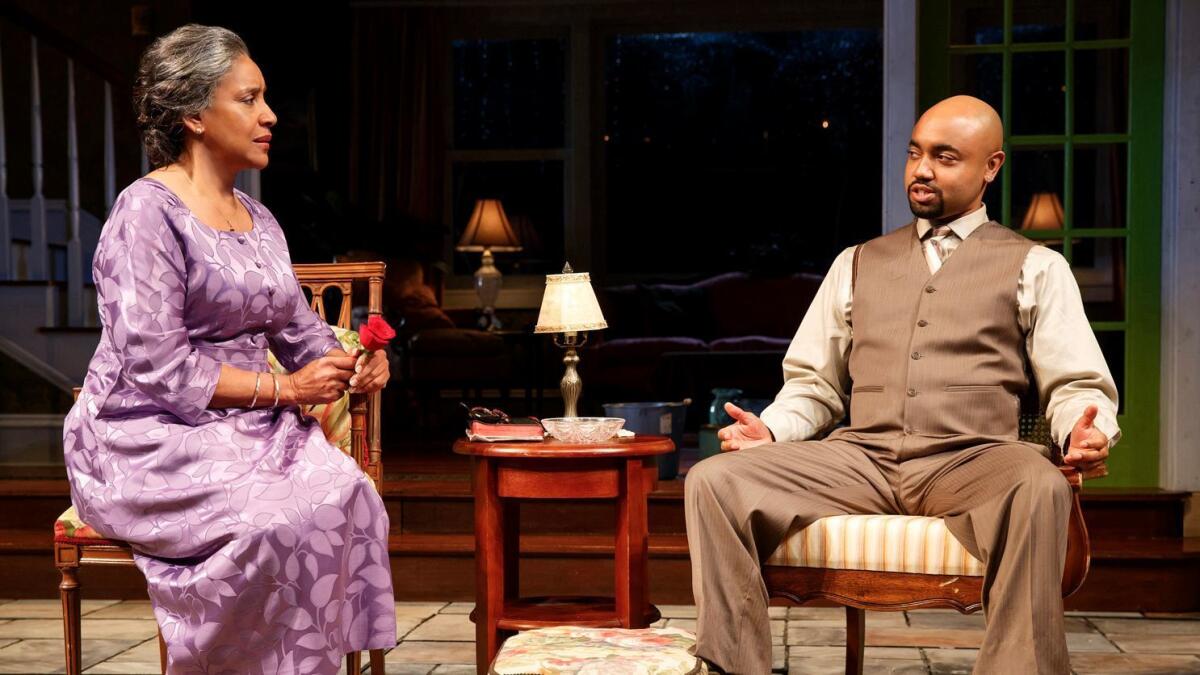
(583, 429)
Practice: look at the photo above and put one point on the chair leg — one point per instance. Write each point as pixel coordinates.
(162, 652)
(377, 662)
(68, 589)
(353, 663)
(856, 639)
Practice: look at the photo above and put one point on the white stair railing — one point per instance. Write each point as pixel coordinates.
(36, 252)
(75, 308)
(39, 250)
(110, 154)
(7, 265)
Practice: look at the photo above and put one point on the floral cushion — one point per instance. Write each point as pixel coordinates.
(879, 543)
(333, 417)
(70, 528)
(570, 650)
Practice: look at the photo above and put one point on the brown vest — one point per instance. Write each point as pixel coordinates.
(944, 354)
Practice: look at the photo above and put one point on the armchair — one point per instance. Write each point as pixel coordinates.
(802, 570)
(76, 544)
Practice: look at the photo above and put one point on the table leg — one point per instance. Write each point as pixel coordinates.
(490, 579)
(512, 548)
(632, 546)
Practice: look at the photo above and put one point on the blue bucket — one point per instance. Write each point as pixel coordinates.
(656, 419)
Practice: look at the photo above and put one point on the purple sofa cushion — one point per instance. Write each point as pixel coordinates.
(750, 343)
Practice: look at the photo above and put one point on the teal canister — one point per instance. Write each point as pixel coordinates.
(716, 411)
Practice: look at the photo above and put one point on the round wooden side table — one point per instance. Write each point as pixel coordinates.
(623, 469)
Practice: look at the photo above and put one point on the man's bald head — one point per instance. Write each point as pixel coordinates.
(956, 150)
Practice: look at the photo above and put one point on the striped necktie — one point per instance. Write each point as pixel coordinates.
(942, 248)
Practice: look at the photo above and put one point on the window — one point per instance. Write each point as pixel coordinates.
(508, 136)
(740, 150)
(1079, 86)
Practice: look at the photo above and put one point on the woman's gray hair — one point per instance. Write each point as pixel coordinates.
(175, 80)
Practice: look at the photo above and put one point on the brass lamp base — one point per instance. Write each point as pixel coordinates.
(570, 385)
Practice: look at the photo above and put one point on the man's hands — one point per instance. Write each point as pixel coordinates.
(1088, 446)
(746, 431)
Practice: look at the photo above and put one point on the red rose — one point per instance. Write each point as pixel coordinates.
(375, 333)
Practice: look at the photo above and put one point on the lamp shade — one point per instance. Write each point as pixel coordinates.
(1045, 212)
(569, 305)
(488, 228)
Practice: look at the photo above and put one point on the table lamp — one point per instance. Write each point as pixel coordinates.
(489, 231)
(569, 309)
(1045, 212)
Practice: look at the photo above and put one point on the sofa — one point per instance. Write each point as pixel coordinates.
(675, 341)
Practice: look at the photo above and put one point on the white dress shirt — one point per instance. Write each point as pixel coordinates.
(1067, 363)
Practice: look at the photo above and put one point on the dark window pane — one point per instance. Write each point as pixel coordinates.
(1101, 91)
(1039, 20)
(1055, 245)
(1039, 93)
(1037, 192)
(1101, 19)
(1099, 266)
(1100, 186)
(993, 199)
(976, 22)
(772, 136)
(532, 196)
(979, 75)
(509, 93)
(1112, 343)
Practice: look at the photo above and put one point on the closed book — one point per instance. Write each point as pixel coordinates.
(522, 429)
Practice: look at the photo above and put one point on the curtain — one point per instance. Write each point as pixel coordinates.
(398, 136)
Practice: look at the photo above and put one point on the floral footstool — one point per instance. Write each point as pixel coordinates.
(570, 650)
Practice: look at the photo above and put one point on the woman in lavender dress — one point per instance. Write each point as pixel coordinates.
(264, 547)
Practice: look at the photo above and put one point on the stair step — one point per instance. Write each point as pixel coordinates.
(1181, 548)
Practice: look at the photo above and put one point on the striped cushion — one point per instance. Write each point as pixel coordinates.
(879, 543)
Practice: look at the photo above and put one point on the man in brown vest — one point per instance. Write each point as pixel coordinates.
(925, 333)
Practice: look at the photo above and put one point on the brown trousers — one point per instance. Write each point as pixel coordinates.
(1005, 501)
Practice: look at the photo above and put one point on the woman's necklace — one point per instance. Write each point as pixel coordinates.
(218, 208)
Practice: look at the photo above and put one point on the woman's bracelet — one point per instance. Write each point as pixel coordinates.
(257, 377)
(275, 379)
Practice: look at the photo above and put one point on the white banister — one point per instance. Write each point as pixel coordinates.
(110, 153)
(39, 251)
(7, 267)
(75, 309)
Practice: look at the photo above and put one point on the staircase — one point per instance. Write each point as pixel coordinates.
(47, 236)
(66, 143)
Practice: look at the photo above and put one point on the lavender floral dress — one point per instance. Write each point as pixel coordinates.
(264, 547)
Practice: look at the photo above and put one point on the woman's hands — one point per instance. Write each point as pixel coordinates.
(321, 380)
(371, 372)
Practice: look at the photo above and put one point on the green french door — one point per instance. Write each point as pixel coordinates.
(1078, 84)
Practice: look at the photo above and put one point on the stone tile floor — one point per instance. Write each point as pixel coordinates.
(437, 639)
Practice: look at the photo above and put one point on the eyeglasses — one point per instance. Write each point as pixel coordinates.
(486, 415)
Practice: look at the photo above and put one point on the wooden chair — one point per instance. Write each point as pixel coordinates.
(860, 589)
(70, 553)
